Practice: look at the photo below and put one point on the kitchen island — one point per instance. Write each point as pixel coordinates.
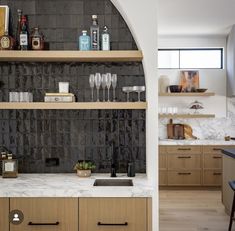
(228, 175)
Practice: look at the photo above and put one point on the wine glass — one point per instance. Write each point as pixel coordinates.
(139, 89)
(103, 81)
(97, 84)
(108, 82)
(92, 84)
(127, 90)
(114, 85)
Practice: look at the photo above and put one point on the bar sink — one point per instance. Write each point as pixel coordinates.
(112, 182)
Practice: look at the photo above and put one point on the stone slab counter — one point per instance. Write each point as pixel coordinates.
(195, 142)
(228, 175)
(70, 185)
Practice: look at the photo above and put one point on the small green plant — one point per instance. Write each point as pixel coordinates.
(84, 165)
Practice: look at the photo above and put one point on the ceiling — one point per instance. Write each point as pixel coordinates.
(196, 17)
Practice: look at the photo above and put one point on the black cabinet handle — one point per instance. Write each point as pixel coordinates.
(184, 157)
(217, 149)
(31, 223)
(112, 224)
(217, 174)
(217, 157)
(184, 173)
(184, 149)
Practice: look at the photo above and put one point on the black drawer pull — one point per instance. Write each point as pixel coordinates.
(111, 224)
(31, 223)
(184, 157)
(217, 157)
(184, 173)
(217, 174)
(217, 149)
(184, 149)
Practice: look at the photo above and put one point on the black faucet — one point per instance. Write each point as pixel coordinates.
(113, 162)
(113, 170)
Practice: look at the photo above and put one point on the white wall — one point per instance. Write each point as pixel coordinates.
(213, 79)
(141, 17)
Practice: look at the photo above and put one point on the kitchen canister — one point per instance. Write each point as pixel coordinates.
(163, 83)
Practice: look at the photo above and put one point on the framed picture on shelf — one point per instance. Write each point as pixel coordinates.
(189, 80)
(4, 19)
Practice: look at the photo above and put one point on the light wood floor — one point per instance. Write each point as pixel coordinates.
(187, 210)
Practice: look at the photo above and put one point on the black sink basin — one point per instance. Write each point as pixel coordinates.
(112, 182)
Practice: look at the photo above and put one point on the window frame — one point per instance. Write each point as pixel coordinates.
(195, 49)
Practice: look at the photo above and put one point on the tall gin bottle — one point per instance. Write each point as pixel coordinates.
(105, 39)
(95, 33)
(18, 29)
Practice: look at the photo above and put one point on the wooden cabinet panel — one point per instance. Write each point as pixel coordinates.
(184, 161)
(113, 214)
(184, 149)
(212, 161)
(46, 211)
(184, 178)
(215, 149)
(212, 178)
(162, 161)
(162, 149)
(162, 177)
(4, 212)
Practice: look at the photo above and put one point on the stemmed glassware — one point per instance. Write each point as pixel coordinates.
(103, 80)
(108, 83)
(98, 81)
(127, 90)
(114, 85)
(92, 85)
(139, 89)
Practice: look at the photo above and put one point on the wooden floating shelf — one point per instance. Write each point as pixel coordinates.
(188, 94)
(71, 56)
(73, 106)
(187, 116)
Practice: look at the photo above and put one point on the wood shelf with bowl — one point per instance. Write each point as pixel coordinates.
(186, 116)
(73, 106)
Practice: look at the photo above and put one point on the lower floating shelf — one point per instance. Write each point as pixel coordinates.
(73, 106)
(186, 116)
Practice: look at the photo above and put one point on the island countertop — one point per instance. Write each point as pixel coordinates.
(70, 185)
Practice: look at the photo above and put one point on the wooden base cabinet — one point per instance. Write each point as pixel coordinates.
(4, 212)
(113, 214)
(46, 214)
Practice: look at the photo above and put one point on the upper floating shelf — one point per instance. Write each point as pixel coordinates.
(188, 94)
(71, 56)
(186, 116)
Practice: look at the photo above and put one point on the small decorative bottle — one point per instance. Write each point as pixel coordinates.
(37, 40)
(24, 35)
(105, 41)
(6, 42)
(84, 41)
(95, 33)
(18, 29)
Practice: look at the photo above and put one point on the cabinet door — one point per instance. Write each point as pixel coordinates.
(212, 178)
(4, 212)
(212, 161)
(46, 214)
(113, 214)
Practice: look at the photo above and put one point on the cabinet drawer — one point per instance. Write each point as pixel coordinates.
(113, 214)
(215, 149)
(162, 149)
(212, 178)
(162, 161)
(178, 149)
(43, 211)
(184, 161)
(212, 161)
(162, 177)
(187, 178)
(4, 211)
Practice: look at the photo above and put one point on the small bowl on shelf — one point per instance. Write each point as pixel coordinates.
(201, 90)
(175, 88)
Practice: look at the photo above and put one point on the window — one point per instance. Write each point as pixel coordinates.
(190, 58)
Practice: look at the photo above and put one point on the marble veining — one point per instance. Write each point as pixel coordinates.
(70, 185)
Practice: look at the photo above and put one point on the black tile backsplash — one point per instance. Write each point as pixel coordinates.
(36, 136)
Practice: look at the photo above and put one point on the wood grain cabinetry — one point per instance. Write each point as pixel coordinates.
(162, 166)
(4, 212)
(119, 214)
(40, 214)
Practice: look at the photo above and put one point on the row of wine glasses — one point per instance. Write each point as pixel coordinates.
(105, 81)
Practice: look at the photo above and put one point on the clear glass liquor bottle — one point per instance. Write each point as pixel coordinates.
(37, 40)
(95, 33)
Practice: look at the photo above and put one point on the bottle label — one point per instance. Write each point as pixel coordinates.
(105, 42)
(95, 39)
(36, 44)
(5, 42)
(23, 40)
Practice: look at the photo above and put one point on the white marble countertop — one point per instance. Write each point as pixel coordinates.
(70, 185)
(196, 142)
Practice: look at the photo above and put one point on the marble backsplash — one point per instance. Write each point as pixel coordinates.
(215, 128)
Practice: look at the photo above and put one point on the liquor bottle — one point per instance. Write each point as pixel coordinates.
(24, 34)
(105, 39)
(95, 33)
(84, 41)
(18, 29)
(6, 42)
(37, 40)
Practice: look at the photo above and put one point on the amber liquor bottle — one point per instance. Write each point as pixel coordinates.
(18, 29)
(6, 42)
(37, 40)
(24, 34)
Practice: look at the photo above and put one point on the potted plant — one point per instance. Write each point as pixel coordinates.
(84, 168)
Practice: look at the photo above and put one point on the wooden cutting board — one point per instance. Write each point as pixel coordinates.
(188, 132)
